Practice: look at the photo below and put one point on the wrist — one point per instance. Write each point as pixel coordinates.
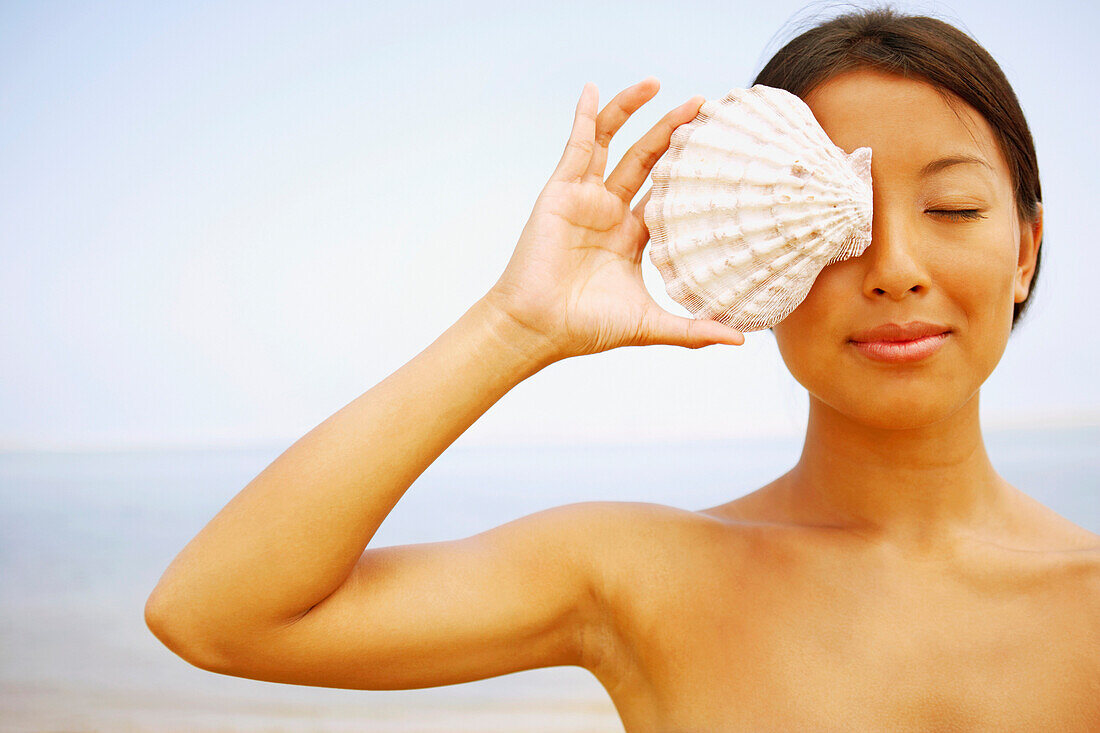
(534, 349)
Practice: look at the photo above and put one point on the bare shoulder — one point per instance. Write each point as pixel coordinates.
(1079, 550)
(640, 522)
(1054, 561)
(1063, 541)
(645, 530)
(1050, 527)
(1062, 561)
(624, 536)
(1075, 554)
(642, 557)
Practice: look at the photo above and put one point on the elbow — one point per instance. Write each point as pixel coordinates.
(159, 619)
(185, 637)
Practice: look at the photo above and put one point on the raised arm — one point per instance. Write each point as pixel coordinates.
(278, 585)
(293, 535)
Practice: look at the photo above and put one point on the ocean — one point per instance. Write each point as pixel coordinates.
(84, 537)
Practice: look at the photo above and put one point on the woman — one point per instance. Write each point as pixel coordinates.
(890, 580)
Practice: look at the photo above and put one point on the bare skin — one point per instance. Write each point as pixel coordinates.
(891, 580)
(747, 617)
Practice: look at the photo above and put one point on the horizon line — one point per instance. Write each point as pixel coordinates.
(1044, 422)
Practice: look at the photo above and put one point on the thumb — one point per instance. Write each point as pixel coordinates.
(692, 333)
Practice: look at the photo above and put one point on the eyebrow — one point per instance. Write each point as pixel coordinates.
(939, 164)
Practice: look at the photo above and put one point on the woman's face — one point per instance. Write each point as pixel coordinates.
(964, 274)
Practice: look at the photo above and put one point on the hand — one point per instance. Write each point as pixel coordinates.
(575, 278)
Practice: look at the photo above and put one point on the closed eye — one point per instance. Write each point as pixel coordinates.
(959, 214)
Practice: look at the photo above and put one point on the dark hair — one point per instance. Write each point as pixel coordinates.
(929, 49)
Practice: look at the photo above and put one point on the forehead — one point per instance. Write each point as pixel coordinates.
(907, 123)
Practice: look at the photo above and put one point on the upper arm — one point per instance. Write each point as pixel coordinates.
(519, 596)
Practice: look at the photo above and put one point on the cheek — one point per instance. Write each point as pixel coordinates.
(978, 273)
(809, 337)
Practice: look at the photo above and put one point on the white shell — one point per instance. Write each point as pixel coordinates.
(750, 202)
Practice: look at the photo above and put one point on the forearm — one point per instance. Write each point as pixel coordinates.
(293, 534)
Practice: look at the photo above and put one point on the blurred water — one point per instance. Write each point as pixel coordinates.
(85, 537)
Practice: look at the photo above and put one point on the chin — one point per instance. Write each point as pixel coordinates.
(891, 408)
(900, 418)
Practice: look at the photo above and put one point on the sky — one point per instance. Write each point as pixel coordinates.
(222, 222)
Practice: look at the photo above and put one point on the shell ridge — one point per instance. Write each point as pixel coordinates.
(749, 203)
(801, 227)
(761, 143)
(810, 132)
(785, 122)
(660, 240)
(797, 109)
(742, 319)
(848, 162)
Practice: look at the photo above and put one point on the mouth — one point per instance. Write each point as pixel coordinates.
(902, 351)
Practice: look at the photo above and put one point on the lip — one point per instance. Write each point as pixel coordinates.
(902, 351)
(888, 332)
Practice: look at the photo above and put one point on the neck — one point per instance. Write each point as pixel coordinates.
(917, 488)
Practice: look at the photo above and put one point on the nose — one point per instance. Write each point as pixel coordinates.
(893, 259)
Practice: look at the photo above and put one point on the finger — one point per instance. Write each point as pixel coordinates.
(617, 111)
(691, 333)
(631, 172)
(578, 149)
(639, 208)
(639, 216)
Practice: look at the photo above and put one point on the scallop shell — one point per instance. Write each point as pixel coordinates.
(750, 202)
